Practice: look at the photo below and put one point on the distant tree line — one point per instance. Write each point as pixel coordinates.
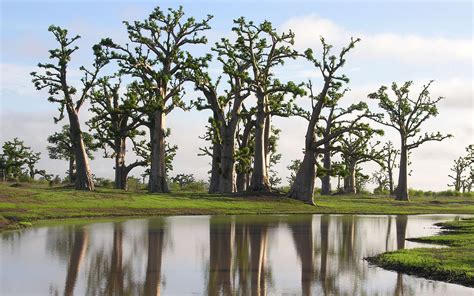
(146, 81)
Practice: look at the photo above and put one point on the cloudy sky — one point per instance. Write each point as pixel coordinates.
(401, 40)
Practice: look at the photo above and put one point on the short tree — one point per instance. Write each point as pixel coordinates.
(61, 148)
(406, 115)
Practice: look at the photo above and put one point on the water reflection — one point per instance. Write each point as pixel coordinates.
(217, 255)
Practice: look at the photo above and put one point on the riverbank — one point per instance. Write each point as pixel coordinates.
(24, 204)
(454, 264)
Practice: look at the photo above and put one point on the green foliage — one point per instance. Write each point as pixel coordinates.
(19, 161)
(61, 144)
(293, 167)
(183, 179)
(52, 76)
(406, 114)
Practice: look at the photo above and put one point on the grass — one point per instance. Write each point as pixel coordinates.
(30, 202)
(454, 264)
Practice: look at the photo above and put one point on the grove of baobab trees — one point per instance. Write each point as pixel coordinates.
(155, 66)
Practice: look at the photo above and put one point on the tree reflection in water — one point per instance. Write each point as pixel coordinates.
(128, 258)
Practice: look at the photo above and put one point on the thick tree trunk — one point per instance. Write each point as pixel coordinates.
(259, 180)
(227, 180)
(120, 169)
(390, 181)
(350, 187)
(72, 169)
(303, 186)
(266, 140)
(215, 168)
(157, 182)
(402, 190)
(242, 181)
(326, 179)
(83, 180)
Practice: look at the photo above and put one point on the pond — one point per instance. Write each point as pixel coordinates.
(216, 255)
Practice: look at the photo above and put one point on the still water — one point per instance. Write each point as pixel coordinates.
(216, 255)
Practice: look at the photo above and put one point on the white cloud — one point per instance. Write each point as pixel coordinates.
(407, 48)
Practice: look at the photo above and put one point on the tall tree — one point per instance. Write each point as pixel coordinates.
(406, 115)
(62, 148)
(226, 108)
(54, 79)
(116, 119)
(160, 61)
(265, 49)
(303, 186)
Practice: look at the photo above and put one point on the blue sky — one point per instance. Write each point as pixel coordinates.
(401, 41)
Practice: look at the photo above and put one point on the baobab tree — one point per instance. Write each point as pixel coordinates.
(303, 186)
(116, 119)
(226, 108)
(53, 77)
(19, 160)
(331, 120)
(462, 171)
(160, 61)
(389, 163)
(406, 115)
(264, 49)
(356, 148)
(61, 148)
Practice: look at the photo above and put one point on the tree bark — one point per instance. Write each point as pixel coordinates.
(71, 172)
(402, 190)
(157, 182)
(120, 172)
(227, 180)
(350, 187)
(215, 168)
(83, 180)
(303, 186)
(259, 180)
(326, 179)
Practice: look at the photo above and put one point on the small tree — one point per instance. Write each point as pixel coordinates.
(115, 120)
(389, 163)
(463, 171)
(406, 115)
(355, 148)
(19, 160)
(293, 167)
(183, 180)
(54, 79)
(61, 148)
(458, 170)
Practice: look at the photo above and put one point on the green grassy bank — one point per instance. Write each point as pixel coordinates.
(27, 203)
(454, 264)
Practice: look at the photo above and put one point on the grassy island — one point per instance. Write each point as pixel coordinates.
(454, 264)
